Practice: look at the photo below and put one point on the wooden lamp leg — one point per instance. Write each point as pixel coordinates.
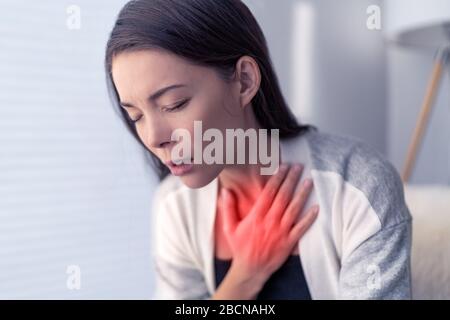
(423, 118)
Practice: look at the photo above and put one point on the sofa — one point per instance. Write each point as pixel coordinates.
(430, 260)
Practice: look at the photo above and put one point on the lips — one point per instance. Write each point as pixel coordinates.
(180, 169)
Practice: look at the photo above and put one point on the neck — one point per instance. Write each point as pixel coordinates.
(245, 181)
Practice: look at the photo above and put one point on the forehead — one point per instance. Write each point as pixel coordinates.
(152, 69)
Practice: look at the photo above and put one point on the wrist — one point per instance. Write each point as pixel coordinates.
(250, 284)
(239, 284)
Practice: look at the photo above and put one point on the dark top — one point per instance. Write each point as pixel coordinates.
(287, 283)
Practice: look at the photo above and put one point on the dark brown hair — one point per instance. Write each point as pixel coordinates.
(206, 32)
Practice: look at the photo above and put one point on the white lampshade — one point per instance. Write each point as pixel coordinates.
(418, 22)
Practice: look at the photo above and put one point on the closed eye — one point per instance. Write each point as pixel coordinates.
(135, 120)
(179, 106)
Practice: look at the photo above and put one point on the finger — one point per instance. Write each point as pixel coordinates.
(297, 204)
(269, 192)
(285, 193)
(303, 225)
(231, 216)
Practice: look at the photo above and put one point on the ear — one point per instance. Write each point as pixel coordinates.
(248, 77)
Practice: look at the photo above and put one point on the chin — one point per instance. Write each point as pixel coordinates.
(200, 177)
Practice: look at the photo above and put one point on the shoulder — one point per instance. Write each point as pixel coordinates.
(180, 215)
(175, 204)
(165, 199)
(168, 186)
(362, 168)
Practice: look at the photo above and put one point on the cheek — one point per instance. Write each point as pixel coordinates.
(221, 113)
(141, 130)
(217, 105)
(142, 133)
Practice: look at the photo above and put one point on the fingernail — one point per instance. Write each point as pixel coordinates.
(284, 167)
(298, 167)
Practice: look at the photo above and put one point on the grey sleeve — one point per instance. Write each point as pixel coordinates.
(372, 231)
(380, 267)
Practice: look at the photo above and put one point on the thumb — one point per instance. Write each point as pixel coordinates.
(231, 217)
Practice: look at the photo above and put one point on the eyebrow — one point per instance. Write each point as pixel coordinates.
(155, 96)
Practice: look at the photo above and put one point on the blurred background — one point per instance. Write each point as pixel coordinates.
(76, 190)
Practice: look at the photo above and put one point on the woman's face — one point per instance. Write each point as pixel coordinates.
(194, 93)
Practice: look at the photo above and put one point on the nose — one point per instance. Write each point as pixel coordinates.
(157, 143)
(157, 134)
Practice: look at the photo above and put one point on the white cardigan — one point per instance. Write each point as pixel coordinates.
(358, 248)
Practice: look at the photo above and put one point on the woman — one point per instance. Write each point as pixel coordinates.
(222, 229)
